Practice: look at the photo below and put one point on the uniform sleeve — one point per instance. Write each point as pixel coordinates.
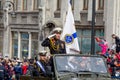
(46, 42)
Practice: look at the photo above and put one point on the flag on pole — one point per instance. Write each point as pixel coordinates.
(69, 34)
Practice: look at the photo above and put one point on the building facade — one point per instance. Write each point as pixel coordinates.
(34, 19)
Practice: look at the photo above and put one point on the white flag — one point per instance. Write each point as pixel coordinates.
(69, 34)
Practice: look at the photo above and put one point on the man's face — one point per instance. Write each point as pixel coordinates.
(43, 58)
(113, 36)
(57, 35)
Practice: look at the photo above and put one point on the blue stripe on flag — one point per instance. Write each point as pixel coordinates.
(74, 35)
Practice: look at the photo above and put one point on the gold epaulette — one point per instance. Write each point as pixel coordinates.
(53, 45)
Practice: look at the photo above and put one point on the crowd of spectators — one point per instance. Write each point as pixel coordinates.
(111, 54)
(12, 69)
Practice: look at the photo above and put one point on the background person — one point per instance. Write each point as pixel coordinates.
(18, 70)
(117, 42)
(103, 44)
(44, 65)
(2, 71)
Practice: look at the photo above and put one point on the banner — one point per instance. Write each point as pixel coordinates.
(69, 34)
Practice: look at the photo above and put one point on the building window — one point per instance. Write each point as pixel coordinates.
(100, 4)
(85, 4)
(24, 4)
(36, 4)
(24, 45)
(58, 5)
(34, 44)
(84, 38)
(57, 12)
(15, 4)
(15, 44)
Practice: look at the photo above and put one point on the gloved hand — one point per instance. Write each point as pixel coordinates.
(50, 36)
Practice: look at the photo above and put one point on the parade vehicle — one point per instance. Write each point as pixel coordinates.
(78, 67)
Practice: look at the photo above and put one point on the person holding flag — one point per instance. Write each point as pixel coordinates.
(69, 34)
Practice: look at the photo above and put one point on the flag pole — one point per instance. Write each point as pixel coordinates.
(92, 28)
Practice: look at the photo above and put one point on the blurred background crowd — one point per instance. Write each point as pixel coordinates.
(11, 69)
(111, 54)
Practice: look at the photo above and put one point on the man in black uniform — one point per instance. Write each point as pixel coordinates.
(43, 64)
(54, 43)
